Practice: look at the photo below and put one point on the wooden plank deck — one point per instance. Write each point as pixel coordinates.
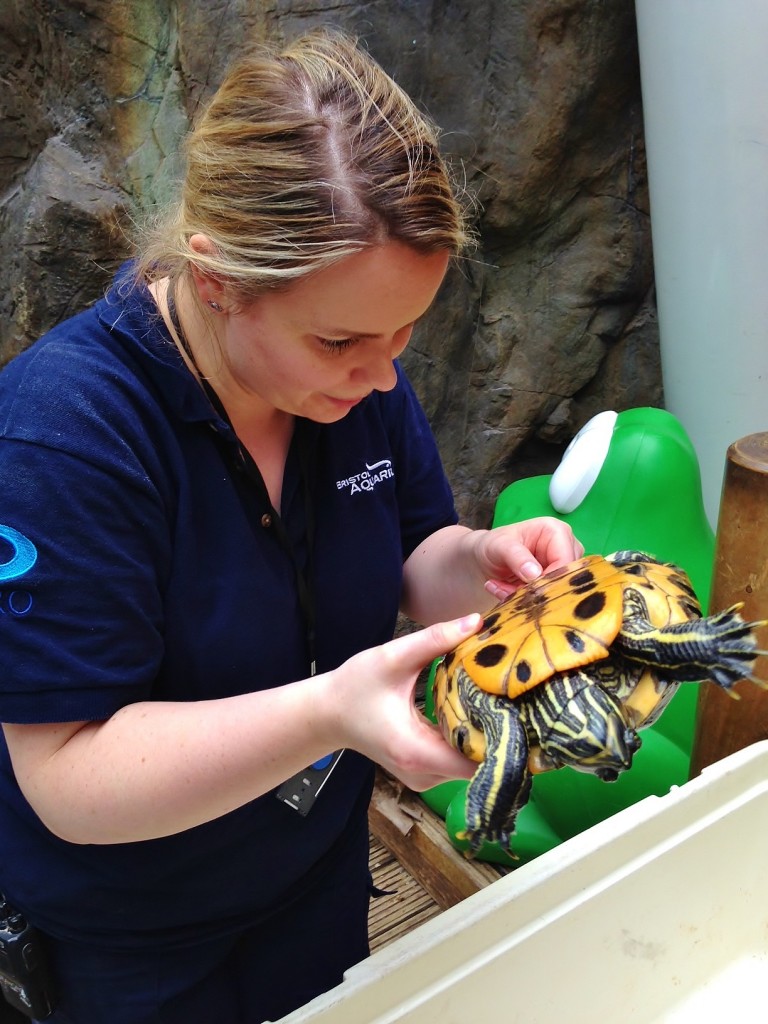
(405, 904)
(413, 861)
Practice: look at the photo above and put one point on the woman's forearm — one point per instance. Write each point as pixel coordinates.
(457, 570)
(154, 769)
(442, 577)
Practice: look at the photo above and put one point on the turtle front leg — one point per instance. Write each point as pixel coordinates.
(501, 785)
(721, 647)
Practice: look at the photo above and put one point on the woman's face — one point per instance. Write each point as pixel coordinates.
(320, 346)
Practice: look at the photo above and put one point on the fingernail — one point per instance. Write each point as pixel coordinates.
(530, 571)
(469, 623)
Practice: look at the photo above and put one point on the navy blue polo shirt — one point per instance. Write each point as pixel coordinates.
(134, 566)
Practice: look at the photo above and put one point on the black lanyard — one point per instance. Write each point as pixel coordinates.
(271, 518)
(240, 458)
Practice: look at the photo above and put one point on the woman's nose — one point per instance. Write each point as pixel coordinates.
(379, 370)
(380, 373)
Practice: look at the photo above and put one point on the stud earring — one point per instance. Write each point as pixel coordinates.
(215, 305)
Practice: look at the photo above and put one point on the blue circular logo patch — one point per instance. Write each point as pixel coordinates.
(24, 554)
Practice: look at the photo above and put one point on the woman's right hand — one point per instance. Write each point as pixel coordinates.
(374, 693)
(155, 768)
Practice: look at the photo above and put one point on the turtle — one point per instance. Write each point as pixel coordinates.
(569, 668)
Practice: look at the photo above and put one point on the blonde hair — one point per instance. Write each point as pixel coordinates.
(304, 157)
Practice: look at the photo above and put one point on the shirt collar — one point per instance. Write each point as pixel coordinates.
(130, 314)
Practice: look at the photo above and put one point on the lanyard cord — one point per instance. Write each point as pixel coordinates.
(271, 519)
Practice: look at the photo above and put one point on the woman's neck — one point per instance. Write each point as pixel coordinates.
(195, 336)
(265, 431)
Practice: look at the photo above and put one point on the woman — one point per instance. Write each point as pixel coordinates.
(218, 489)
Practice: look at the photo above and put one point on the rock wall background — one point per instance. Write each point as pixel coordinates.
(551, 320)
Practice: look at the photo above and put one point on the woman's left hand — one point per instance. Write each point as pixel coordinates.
(457, 570)
(511, 555)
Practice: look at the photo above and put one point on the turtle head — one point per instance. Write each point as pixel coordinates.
(579, 724)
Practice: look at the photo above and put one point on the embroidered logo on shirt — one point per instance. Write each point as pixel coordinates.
(369, 478)
(24, 556)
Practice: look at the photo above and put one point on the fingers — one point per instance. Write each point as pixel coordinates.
(373, 693)
(521, 552)
(414, 749)
(421, 783)
(565, 546)
(501, 591)
(435, 761)
(551, 541)
(412, 652)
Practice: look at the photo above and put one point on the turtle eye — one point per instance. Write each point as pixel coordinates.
(462, 737)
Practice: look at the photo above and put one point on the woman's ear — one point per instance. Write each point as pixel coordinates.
(210, 289)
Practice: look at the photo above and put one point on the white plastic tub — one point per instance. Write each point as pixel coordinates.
(659, 913)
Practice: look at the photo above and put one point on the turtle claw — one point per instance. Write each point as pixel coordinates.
(476, 839)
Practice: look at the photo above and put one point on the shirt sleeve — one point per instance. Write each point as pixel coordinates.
(83, 548)
(424, 493)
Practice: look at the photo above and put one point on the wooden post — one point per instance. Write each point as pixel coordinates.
(725, 725)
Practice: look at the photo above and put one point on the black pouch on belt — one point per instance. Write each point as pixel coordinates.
(24, 975)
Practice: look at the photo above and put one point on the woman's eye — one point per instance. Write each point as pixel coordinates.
(336, 344)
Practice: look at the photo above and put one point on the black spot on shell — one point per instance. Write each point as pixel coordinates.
(635, 569)
(491, 620)
(486, 633)
(687, 588)
(590, 606)
(448, 660)
(582, 579)
(490, 655)
(530, 601)
(523, 671)
(575, 641)
(585, 589)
